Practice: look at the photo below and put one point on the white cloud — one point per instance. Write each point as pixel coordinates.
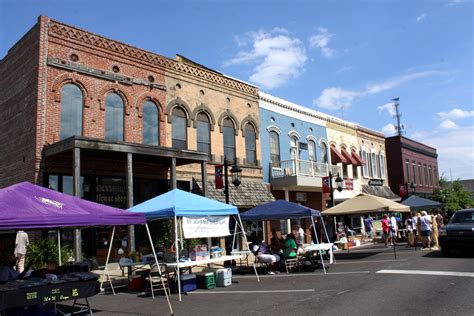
(448, 124)
(335, 98)
(455, 150)
(453, 3)
(321, 41)
(455, 114)
(421, 17)
(387, 107)
(389, 129)
(277, 57)
(396, 81)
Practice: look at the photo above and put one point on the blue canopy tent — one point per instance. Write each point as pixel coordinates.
(180, 203)
(281, 209)
(419, 203)
(177, 204)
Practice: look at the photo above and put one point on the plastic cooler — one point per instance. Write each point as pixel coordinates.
(223, 276)
(188, 282)
(206, 280)
(136, 284)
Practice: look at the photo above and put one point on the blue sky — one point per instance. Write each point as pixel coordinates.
(344, 58)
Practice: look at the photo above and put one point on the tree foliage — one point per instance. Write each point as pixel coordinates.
(453, 196)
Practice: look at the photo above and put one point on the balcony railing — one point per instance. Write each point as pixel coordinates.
(292, 168)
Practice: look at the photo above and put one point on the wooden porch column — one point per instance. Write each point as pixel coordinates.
(131, 228)
(173, 173)
(76, 165)
(204, 177)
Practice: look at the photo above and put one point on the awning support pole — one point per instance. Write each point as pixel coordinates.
(106, 270)
(317, 241)
(246, 245)
(159, 270)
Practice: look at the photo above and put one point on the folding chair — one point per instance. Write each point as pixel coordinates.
(157, 281)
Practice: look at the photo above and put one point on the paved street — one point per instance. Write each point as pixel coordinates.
(367, 281)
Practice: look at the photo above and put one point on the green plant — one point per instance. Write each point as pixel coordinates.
(45, 251)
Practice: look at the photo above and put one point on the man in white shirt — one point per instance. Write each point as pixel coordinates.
(425, 221)
(300, 235)
(21, 243)
(393, 228)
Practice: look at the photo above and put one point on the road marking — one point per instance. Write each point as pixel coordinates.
(278, 275)
(422, 272)
(369, 261)
(247, 292)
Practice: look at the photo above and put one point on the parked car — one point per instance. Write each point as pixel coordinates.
(458, 234)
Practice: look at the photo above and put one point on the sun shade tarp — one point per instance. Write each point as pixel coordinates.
(279, 209)
(26, 205)
(418, 203)
(180, 203)
(366, 203)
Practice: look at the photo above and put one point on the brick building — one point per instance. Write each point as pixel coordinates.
(112, 123)
(413, 167)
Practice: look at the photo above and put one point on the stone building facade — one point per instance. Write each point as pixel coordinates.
(96, 118)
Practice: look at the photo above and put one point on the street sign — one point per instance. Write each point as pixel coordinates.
(376, 182)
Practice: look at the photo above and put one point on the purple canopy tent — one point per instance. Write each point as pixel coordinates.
(29, 206)
(26, 205)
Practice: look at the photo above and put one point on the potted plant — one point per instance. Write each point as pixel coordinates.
(44, 254)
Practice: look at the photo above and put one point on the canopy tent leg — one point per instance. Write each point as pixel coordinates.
(159, 269)
(59, 247)
(327, 238)
(106, 270)
(176, 248)
(317, 241)
(246, 244)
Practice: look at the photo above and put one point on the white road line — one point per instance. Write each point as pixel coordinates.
(422, 272)
(369, 261)
(278, 275)
(249, 292)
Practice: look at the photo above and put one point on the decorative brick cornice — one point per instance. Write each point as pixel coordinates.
(66, 32)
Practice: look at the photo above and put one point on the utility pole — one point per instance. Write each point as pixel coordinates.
(398, 115)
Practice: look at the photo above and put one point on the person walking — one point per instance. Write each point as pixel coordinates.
(434, 232)
(368, 225)
(385, 230)
(425, 226)
(300, 233)
(393, 228)
(409, 228)
(21, 243)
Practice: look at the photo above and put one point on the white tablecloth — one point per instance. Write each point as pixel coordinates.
(323, 246)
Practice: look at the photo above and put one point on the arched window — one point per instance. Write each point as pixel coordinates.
(150, 123)
(294, 150)
(71, 111)
(324, 152)
(250, 144)
(179, 125)
(382, 165)
(203, 133)
(312, 150)
(228, 129)
(274, 149)
(114, 117)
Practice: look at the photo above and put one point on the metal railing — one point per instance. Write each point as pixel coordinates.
(292, 168)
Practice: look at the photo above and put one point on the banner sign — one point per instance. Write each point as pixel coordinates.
(403, 191)
(205, 226)
(218, 174)
(326, 188)
(348, 184)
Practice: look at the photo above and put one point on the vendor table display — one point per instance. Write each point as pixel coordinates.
(326, 247)
(37, 291)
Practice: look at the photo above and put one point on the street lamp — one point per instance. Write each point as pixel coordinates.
(413, 187)
(339, 182)
(236, 173)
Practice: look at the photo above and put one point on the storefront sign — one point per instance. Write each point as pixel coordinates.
(403, 190)
(376, 182)
(303, 146)
(205, 226)
(348, 184)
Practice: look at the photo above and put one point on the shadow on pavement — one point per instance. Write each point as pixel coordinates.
(453, 254)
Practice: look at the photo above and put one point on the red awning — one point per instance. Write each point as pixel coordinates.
(336, 156)
(348, 156)
(359, 160)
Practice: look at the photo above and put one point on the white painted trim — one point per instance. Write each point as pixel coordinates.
(294, 133)
(274, 128)
(424, 272)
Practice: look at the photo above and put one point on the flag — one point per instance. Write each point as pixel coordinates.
(326, 188)
(218, 174)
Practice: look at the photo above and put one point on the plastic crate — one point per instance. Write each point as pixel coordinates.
(206, 280)
(223, 276)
